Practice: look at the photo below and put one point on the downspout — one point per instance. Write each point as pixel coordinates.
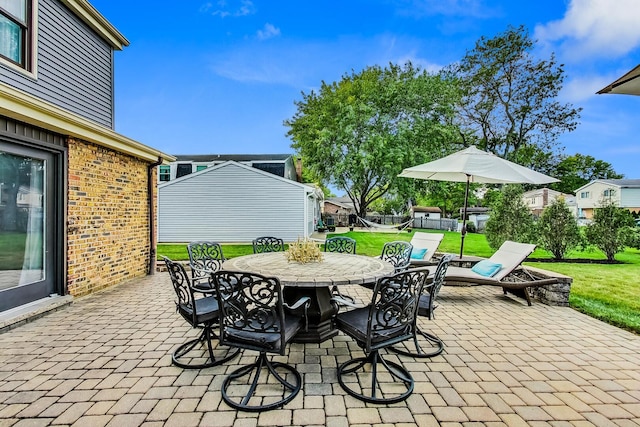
(152, 225)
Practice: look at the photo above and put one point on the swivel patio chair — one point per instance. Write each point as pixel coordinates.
(253, 318)
(268, 244)
(426, 344)
(204, 258)
(343, 245)
(388, 320)
(199, 307)
(398, 253)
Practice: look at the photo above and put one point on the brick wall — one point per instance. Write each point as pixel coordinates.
(108, 227)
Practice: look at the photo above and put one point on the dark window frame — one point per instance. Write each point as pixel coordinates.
(26, 29)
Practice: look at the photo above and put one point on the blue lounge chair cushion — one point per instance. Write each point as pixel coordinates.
(486, 268)
(418, 253)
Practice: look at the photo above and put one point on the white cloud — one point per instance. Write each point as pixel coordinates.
(224, 8)
(595, 28)
(268, 31)
(581, 88)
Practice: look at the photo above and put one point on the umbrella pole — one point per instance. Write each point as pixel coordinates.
(464, 216)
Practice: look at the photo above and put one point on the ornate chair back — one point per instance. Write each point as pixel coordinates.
(393, 309)
(397, 253)
(438, 280)
(340, 244)
(268, 244)
(204, 258)
(252, 311)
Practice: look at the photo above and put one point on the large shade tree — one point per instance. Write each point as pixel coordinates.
(578, 170)
(509, 105)
(359, 133)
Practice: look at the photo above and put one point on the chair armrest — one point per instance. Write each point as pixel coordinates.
(342, 301)
(304, 301)
(208, 291)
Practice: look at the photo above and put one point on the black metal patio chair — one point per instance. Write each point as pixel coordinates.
(426, 344)
(204, 258)
(388, 320)
(343, 245)
(199, 307)
(267, 244)
(253, 317)
(397, 253)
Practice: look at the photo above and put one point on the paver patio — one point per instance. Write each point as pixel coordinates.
(105, 360)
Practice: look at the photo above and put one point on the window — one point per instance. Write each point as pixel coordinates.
(584, 195)
(609, 192)
(165, 173)
(15, 25)
(200, 167)
(183, 169)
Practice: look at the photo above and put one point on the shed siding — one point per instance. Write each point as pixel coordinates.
(74, 66)
(230, 204)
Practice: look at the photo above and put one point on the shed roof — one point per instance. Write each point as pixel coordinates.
(426, 209)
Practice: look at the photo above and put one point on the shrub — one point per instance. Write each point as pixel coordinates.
(510, 218)
(471, 227)
(558, 230)
(611, 229)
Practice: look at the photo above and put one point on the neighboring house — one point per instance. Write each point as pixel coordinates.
(537, 200)
(278, 164)
(76, 203)
(624, 193)
(333, 207)
(426, 212)
(233, 202)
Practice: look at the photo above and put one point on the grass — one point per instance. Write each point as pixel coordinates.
(12, 246)
(609, 292)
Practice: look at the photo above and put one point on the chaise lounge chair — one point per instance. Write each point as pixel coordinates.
(428, 241)
(502, 269)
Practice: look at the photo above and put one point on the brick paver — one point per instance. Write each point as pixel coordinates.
(105, 360)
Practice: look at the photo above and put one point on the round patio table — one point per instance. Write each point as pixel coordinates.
(315, 280)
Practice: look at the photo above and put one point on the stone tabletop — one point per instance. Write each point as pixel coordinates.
(334, 269)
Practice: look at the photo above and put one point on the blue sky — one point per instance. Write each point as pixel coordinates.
(205, 77)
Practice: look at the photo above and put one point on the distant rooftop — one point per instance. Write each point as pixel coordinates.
(205, 158)
(632, 183)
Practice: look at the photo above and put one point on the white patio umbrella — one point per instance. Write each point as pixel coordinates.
(474, 165)
(629, 84)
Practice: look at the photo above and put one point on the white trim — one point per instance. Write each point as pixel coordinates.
(87, 13)
(24, 107)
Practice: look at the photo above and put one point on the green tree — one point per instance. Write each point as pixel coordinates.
(510, 218)
(578, 170)
(558, 230)
(509, 105)
(359, 133)
(611, 229)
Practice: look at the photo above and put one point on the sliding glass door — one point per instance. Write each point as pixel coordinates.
(27, 219)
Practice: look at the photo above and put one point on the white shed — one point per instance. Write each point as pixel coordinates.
(233, 202)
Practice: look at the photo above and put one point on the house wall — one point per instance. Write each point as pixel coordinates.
(231, 203)
(74, 66)
(630, 199)
(596, 195)
(108, 218)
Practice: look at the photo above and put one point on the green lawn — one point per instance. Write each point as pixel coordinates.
(610, 292)
(12, 246)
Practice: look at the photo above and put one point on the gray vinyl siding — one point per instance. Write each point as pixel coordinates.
(74, 66)
(231, 203)
(630, 197)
